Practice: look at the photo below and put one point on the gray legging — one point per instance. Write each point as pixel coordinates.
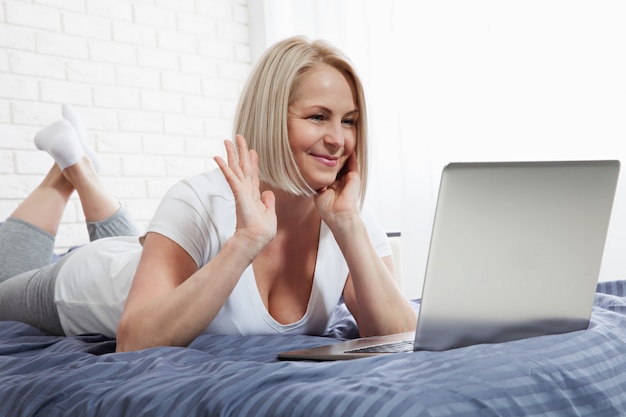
(27, 276)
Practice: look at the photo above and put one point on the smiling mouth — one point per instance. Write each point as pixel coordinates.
(328, 161)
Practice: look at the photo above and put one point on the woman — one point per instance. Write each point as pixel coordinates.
(267, 243)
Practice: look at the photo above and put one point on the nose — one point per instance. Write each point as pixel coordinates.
(335, 135)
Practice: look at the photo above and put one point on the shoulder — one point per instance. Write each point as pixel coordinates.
(197, 213)
(210, 183)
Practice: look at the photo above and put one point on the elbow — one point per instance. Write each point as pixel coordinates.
(127, 336)
(136, 333)
(411, 324)
(409, 321)
(123, 336)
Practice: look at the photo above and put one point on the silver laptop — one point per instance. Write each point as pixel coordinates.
(515, 252)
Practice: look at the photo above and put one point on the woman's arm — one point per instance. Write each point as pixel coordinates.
(370, 292)
(171, 301)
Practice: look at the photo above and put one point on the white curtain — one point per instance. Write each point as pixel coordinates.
(467, 81)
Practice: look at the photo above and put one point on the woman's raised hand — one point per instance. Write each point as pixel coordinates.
(256, 214)
(340, 200)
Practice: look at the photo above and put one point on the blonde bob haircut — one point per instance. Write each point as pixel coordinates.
(262, 112)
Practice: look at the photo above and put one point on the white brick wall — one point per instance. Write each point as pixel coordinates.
(156, 82)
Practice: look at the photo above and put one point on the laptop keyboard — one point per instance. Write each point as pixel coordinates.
(396, 347)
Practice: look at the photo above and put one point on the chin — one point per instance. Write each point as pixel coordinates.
(320, 185)
(321, 180)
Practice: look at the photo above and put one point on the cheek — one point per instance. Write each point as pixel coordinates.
(350, 144)
(297, 135)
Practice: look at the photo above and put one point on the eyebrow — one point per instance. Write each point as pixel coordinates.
(327, 110)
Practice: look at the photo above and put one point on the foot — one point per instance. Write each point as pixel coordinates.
(72, 116)
(61, 141)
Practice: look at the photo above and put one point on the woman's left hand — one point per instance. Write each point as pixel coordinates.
(369, 292)
(340, 200)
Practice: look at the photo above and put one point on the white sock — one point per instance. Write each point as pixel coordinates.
(72, 116)
(60, 140)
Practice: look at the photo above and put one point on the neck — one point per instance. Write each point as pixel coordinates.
(292, 211)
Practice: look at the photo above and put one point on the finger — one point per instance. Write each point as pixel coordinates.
(233, 158)
(244, 155)
(232, 178)
(269, 200)
(254, 162)
(223, 166)
(220, 162)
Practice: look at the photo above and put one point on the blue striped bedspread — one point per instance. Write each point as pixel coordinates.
(574, 374)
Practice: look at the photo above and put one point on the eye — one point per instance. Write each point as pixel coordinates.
(317, 117)
(348, 122)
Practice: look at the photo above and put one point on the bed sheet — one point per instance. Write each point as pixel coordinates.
(580, 373)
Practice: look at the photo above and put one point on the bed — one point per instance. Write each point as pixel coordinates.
(574, 374)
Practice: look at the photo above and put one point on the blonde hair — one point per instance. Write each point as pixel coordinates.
(262, 112)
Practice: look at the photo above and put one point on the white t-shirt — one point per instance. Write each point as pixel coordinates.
(198, 214)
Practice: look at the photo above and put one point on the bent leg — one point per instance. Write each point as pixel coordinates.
(29, 298)
(74, 170)
(23, 247)
(119, 224)
(97, 201)
(45, 205)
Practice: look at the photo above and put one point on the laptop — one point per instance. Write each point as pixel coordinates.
(515, 252)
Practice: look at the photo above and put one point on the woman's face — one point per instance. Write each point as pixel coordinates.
(321, 125)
